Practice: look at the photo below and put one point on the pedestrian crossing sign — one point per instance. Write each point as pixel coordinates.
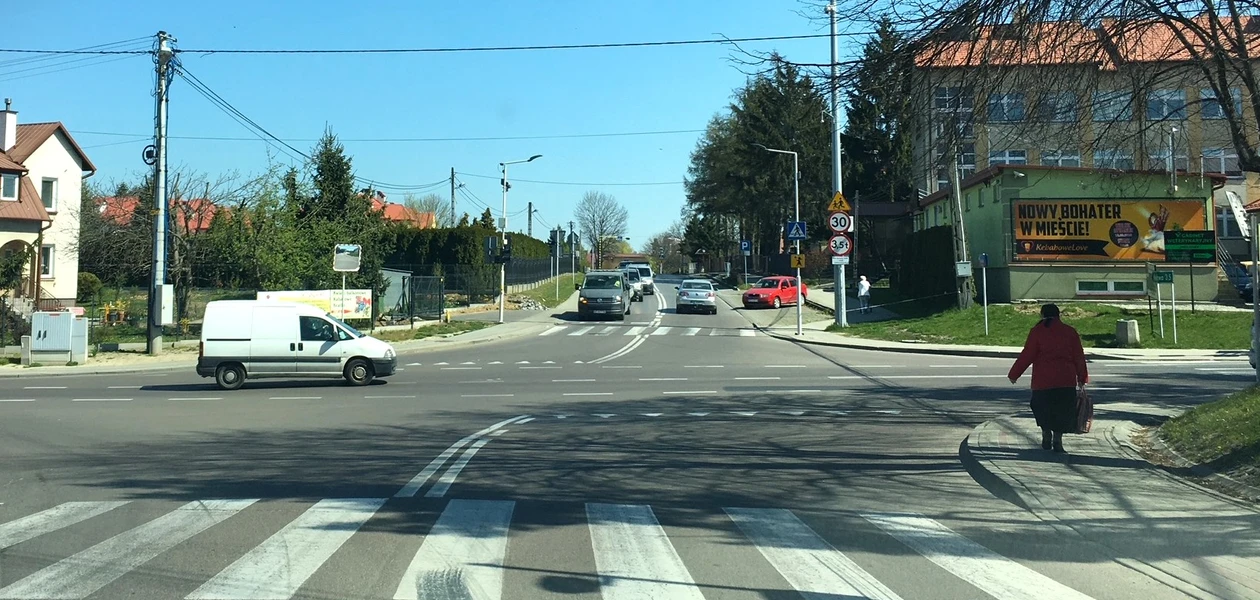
(795, 230)
(839, 204)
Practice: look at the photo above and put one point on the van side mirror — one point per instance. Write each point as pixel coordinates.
(577, 286)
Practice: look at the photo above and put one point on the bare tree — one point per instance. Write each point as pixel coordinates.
(666, 246)
(601, 218)
(432, 203)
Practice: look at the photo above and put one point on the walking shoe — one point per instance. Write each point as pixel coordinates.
(1045, 439)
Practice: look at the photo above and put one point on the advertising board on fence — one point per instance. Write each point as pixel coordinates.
(354, 304)
(1127, 230)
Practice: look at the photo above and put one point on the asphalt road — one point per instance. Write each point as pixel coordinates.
(669, 456)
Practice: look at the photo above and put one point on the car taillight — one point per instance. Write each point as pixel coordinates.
(709, 295)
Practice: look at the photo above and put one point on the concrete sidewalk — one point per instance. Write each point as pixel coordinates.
(826, 300)
(1202, 543)
(814, 334)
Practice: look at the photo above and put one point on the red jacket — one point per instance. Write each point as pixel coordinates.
(1056, 356)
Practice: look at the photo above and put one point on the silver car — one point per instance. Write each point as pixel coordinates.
(636, 283)
(696, 295)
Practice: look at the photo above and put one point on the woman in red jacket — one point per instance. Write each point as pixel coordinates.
(1058, 361)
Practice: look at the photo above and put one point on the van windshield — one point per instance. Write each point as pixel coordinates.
(645, 271)
(602, 282)
(353, 331)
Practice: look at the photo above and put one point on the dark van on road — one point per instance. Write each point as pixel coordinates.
(604, 294)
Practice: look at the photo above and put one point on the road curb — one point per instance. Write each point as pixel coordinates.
(1227, 488)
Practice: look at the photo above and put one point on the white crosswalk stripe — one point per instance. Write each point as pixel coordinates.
(582, 331)
(467, 554)
(553, 330)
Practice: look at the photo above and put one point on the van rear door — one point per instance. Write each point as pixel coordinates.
(273, 346)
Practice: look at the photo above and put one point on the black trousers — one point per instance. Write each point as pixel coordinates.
(1055, 409)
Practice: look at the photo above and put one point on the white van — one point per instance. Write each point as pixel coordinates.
(243, 339)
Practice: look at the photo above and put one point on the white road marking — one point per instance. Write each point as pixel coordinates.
(438, 364)
(634, 331)
(49, 520)
(691, 331)
(44, 387)
(17, 399)
(1226, 369)
(812, 566)
(652, 414)
(460, 369)
(124, 387)
(536, 367)
(409, 490)
(699, 414)
(920, 377)
(774, 378)
(627, 349)
(993, 573)
(785, 366)
(521, 422)
(553, 330)
(745, 413)
(953, 366)
(622, 366)
(747, 333)
(582, 331)
(689, 393)
(876, 366)
(662, 379)
(495, 362)
(486, 395)
(101, 400)
(838, 412)
(587, 394)
(889, 412)
(795, 391)
(572, 380)
(468, 362)
(607, 330)
(562, 416)
(605, 415)
(279, 566)
(522, 362)
(84, 573)
(549, 362)
(443, 484)
(704, 366)
(196, 398)
(296, 398)
(414, 365)
(462, 556)
(634, 557)
(662, 331)
(387, 397)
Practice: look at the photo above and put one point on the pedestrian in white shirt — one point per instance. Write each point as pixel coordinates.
(864, 294)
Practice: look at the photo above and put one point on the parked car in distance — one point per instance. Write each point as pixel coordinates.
(249, 339)
(774, 291)
(696, 295)
(604, 294)
(636, 283)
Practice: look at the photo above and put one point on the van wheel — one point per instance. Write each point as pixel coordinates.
(230, 376)
(359, 372)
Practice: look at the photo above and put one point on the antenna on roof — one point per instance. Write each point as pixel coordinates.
(8, 102)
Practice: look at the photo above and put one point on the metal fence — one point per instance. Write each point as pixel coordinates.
(465, 285)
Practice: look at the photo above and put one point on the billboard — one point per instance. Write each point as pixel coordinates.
(1129, 230)
(350, 304)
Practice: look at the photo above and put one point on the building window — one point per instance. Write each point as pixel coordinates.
(1008, 157)
(1113, 159)
(952, 99)
(966, 166)
(1111, 288)
(1058, 107)
(8, 187)
(48, 193)
(1166, 105)
(1159, 161)
(1006, 108)
(1113, 106)
(46, 255)
(968, 201)
(1210, 106)
(1058, 158)
(1226, 224)
(1221, 160)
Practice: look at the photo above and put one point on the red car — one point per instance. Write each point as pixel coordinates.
(774, 291)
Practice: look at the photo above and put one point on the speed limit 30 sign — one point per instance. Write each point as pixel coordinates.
(841, 245)
(839, 222)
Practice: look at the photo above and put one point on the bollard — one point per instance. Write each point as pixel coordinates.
(1127, 334)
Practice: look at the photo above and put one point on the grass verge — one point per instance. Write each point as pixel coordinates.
(1009, 325)
(546, 295)
(443, 329)
(1223, 435)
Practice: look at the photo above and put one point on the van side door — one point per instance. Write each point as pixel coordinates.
(317, 350)
(273, 341)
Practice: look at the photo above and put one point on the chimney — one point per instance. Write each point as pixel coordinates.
(8, 126)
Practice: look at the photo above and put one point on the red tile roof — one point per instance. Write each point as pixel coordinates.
(399, 213)
(194, 215)
(31, 136)
(28, 206)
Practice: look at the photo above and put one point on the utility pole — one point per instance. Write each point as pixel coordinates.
(572, 249)
(454, 219)
(837, 175)
(158, 279)
(960, 232)
(529, 226)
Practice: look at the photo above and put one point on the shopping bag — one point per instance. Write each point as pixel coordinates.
(1084, 411)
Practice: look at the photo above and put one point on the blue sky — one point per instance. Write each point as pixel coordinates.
(458, 95)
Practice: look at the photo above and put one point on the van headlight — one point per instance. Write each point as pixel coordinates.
(617, 299)
(389, 353)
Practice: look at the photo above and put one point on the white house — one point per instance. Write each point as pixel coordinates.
(41, 183)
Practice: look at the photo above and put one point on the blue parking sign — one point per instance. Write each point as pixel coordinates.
(745, 246)
(795, 230)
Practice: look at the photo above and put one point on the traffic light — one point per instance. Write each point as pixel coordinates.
(506, 255)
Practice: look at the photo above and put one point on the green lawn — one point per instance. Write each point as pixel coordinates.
(1009, 325)
(546, 293)
(419, 333)
(1224, 435)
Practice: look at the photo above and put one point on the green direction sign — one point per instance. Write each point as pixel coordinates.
(1163, 276)
(1189, 246)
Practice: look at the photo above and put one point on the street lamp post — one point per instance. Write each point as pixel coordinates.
(503, 233)
(796, 193)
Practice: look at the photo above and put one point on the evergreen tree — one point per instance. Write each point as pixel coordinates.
(878, 145)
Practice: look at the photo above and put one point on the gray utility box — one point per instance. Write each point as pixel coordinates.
(58, 338)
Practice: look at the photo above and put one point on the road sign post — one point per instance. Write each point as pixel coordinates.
(841, 224)
(1160, 278)
(984, 283)
(745, 248)
(1190, 247)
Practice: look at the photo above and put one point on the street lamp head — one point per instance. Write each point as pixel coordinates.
(760, 146)
(532, 158)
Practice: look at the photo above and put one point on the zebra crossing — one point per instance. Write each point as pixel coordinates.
(468, 552)
(645, 330)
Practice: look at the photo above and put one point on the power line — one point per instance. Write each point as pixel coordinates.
(50, 69)
(420, 139)
(592, 46)
(638, 183)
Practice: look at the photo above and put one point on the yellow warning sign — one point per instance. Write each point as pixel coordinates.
(798, 261)
(839, 204)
